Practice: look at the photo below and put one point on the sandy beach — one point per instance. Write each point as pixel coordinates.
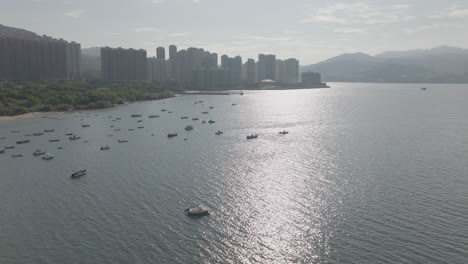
(29, 115)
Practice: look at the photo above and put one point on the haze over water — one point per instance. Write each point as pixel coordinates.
(369, 173)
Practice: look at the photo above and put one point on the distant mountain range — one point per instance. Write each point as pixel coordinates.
(443, 64)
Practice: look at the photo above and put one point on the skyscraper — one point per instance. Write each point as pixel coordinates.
(291, 71)
(123, 64)
(250, 70)
(172, 62)
(39, 58)
(266, 67)
(224, 62)
(161, 53)
(279, 71)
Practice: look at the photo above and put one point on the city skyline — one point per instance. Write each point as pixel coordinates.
(308, 30)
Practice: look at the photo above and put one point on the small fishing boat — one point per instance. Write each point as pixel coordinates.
(153, 116)
(16, 155)
(135, 115)
(203, 122)
(38, 134)
(38, 152)
(205, 113)
(211, 121)
(140, 127)
(28, 135)
(2, 151)
(211, 107)
(163, 110)
(139, 121)
(85, 125)
(170, 112)
(253, 136)
(74, 137)
(48, 156)
(54, 140)
(78, 174)
(200, 210)
(423, 88)
(22, 141)
(49, 130)
(195, 119)
(69, 134)
(283, 132)
(188, 128)
(15, 131)
(105, 147)
(131, 129)
(10, 147)
(219, 132)
(234, 104)
(184, 117)
(117, 129)
(172, 135)
(123, 141)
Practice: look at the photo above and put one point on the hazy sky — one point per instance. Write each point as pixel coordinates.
(309, 30)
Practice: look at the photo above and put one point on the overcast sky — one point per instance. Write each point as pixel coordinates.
(309, 30)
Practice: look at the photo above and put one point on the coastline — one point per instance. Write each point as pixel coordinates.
(29, 115)
(52, 113)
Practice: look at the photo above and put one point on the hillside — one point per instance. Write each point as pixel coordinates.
(438, 65)
(17, 33)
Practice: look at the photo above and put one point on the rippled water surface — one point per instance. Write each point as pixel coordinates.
(369, 173)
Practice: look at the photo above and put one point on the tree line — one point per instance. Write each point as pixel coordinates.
(44, 96)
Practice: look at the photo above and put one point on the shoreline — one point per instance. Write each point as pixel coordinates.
(30, 115)
(52, 113)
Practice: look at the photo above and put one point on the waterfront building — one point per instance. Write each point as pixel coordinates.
(250, 70)
(161, 53)
(311, 78)
(123, 64)
(266, 67)
(39, 58)
(279, 71)
(172, 62)
(291, 71)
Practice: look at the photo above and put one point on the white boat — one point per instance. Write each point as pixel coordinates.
(197, 211)
(78, 174)
(38, 152)
(48, 156)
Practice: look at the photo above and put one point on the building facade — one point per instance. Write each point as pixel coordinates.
(123, 64)
(40, 58)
